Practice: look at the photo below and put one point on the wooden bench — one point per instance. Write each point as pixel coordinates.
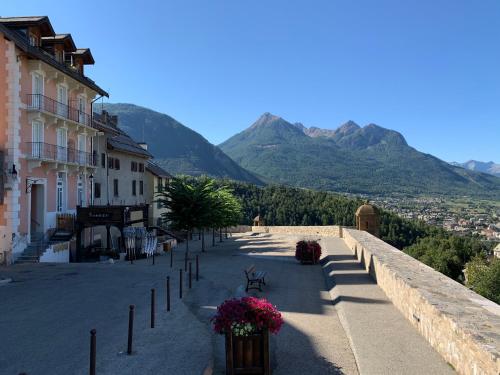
(255, 277)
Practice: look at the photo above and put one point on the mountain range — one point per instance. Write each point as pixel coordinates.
(351, 158)
(354, 159)
(480, 166)
(176, 148)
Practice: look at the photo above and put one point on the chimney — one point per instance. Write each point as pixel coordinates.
(144, 145)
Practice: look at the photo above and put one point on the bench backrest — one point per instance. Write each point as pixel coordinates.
(250, 270)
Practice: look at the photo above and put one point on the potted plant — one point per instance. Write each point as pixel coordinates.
(308, 252)
(246, 323)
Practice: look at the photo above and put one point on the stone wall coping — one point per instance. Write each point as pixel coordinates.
(472, 317)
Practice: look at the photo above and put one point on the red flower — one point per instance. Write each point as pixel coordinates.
(257, 312)
(308, 251)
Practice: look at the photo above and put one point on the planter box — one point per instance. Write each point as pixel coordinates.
(248, 354)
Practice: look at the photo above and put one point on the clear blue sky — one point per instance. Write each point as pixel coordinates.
(427, 68)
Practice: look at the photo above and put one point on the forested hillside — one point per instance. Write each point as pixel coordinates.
(282, 205)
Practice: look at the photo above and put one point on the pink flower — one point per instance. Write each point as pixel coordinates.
(257, 312)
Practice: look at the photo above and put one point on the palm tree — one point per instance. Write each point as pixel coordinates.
(187, 204)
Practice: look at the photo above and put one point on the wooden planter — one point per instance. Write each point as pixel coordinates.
(308, 259)
(248, 354)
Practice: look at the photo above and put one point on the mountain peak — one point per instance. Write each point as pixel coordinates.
(347, 128)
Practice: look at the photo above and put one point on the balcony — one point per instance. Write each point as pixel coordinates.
(43, 103)
(49, 152)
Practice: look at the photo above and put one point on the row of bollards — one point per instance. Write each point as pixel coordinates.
(93, 341)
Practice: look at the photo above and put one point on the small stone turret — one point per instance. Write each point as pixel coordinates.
(258, 221)
(368, 219)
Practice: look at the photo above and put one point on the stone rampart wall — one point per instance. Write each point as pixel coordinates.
(461, 325)
(326, 230)
(240, 229)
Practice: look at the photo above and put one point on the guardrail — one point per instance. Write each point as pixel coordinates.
(47, 151)
(44, 103)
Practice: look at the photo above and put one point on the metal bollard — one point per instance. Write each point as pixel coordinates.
(152, 308)
(180, 283)
(190, 276)
(185, 261)
(92, 351)
(197, 268)
(130, 328)
(168, 293)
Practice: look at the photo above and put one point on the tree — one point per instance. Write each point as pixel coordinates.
(187, 204)
(483, 277)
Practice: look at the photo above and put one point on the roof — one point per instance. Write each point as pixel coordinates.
(85, 54)
(42, 21)
(59, 39)
(256, 218)
(123, 142)
(367, 209)
(37, 53)
(157, 170)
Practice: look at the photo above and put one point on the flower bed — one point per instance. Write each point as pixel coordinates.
(308, 251)
(246, 316)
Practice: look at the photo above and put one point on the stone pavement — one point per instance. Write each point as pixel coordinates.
(312, 339)
(48, 310)
(383, 341)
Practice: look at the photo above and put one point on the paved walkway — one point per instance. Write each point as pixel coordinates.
(383, 341)
(48, 310)
(312, 341)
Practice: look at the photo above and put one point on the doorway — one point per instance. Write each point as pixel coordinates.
(37, 210)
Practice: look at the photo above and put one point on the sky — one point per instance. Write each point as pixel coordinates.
(429, 69)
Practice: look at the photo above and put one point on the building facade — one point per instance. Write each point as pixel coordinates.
(120, 177)
(156, 180)
(46, 130)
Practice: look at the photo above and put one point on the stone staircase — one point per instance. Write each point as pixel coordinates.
(34, 250)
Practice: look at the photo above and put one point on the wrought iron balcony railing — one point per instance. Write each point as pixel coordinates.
(46, 151)
(44, 103)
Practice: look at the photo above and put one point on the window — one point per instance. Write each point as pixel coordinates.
(141, 167)
(37, 139)
(115, 187)
(134, 192)
(103, 160)
(82, 109)
(62, 144)
(59, 55)
(141, 188)
(133, 166)
(33, 40)
(97, 190)
(110, 163)
(82, 149)
(62, 101)
(116, 163)
(160, 185)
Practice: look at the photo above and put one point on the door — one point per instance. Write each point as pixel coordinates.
(62, 143)
(37, 98)
(62, 101)
(80, 192)
(37, 140)
(37, 210)
(81, 149)
(61, 192)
